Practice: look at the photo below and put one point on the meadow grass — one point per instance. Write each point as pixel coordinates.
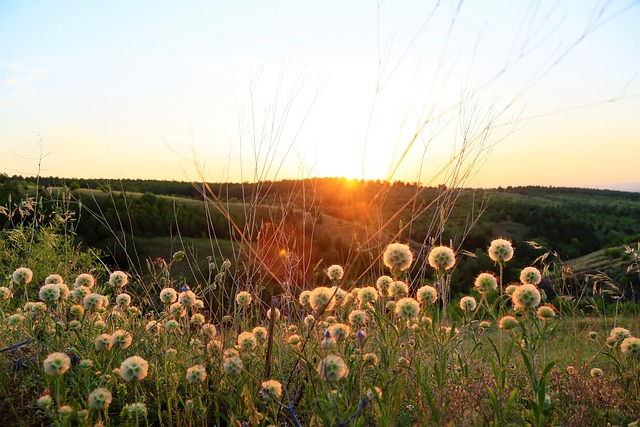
(82, 345)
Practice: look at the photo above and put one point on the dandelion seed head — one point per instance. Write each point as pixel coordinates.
(134, 368)
(100, 399)
(332, 368)
(196, 374)
(118, 279)
(335, 272)
(397, 257)
(407, 308)
(366, 295)
(442, 258)
(530, 276)
(631, 347)
(508, 323)
(398, 289)
(243, 298)
(383, 283)
(468, 303)
(22, 276)
(56, 363)
(485, 282)
(427, 294)
(526, 297)
(501, 250)
(84, 279)
(271, 390)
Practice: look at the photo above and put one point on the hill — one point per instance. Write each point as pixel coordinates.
(330, 220)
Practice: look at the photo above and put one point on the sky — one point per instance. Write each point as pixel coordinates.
(480, 94)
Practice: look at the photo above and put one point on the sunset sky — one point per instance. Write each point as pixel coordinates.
(290, 89)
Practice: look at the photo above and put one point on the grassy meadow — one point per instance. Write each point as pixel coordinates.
(248, 327)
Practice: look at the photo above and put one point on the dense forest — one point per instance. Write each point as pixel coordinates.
(332, 217)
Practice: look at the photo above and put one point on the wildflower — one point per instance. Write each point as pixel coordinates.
(546, 312)
(64, 291)
(80, 292)
(56, 364)
(390, 305)
(277, 314)
(22, 276)
(197, 319)
(357, 317)
(335, 272)
(187, 298)
(53, 278)
(427, 294)
(198, 305)
(339, 331)
(468, 303)
(485, 324)
(65, 411)
(208, 331)
(370, 359)
(121, 339)
(171, 325)
(596, 372)
(485, 282)
(243, 298)
(93, 301)
(85, 364)
(530, 276)
(103, 342)
(137, 410)
(247, 341)
(196, 374)
(45, 401)
(526, 297)
(321, 299)
(332, 368)
(593, 335)
(176, 309)
(304, 297)
(168, 296)
(226, 264)
(442, 258)
(100, 399)
(373, 394)
(397, 257)
(49, 293)
(383, 283)
(292, 329)
(509, 290)
(367, 294)
(5, 293)
(407, 308)
(500, 250)
(178, 256)
(123, 300)
(84, 279)
(232, 365)
(618, 334)
(15, 319)
(631, 347)
(508, 323)
(134, 368)
(398, 289)
(271, 390)
(118, 279)
(309, 320)
(260, 333)
(293, 340)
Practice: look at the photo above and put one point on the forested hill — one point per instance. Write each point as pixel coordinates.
(573, 222)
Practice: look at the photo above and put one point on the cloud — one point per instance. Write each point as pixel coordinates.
(24, 80)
